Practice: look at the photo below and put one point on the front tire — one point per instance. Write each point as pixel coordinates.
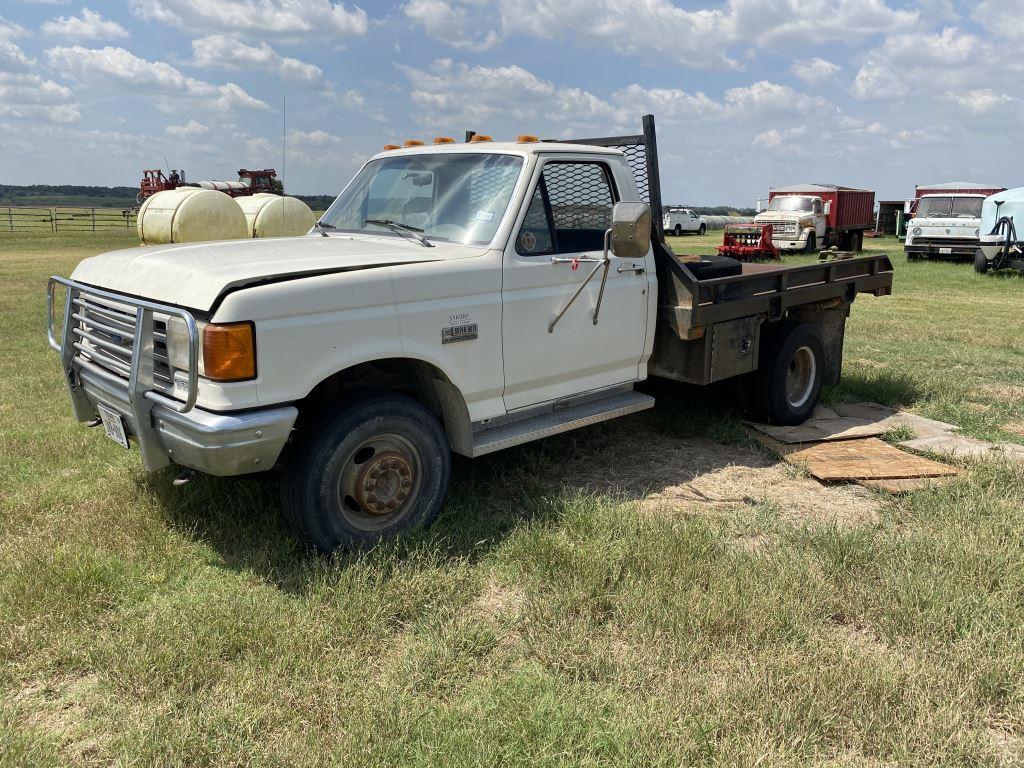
(377, 469)
(702, 229)
(786, 386)
(981, 265)
(678, 230)
(811, 246)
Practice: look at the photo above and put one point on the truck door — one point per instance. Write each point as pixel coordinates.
(567, 212)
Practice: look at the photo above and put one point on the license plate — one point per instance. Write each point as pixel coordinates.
(113, 424)
(945, 251)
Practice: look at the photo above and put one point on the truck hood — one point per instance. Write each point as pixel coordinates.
(798, 217)
(194, 275)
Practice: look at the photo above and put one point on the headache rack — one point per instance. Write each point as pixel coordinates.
(688, 304)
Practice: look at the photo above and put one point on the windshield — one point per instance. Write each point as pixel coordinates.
(967, 207)
(790, 203)
(459, 198)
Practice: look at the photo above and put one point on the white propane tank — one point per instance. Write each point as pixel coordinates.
(268, 215)
(223, 186)
(190, 215)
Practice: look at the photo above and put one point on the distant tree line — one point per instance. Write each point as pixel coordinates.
(47, 195)
(717, 210)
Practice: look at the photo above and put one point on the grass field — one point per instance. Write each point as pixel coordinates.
(651, 592)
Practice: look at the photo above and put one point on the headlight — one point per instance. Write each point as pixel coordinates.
(227, 350)
(916, 231)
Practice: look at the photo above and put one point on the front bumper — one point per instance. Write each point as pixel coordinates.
(110, 347)
(790, 244)
(214, 443)
(935, 250)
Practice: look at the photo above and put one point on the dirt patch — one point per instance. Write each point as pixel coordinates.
(857, 636)
(58, 705)
(1002, 392)
(499, 600)
(1005, 742)
(700, 476)
(1014, 428)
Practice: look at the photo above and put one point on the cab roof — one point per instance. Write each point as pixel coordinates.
(500, 147)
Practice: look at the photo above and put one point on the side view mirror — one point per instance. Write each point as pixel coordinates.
(828, 207)
(631, 230)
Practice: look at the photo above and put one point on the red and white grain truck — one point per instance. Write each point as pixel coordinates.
(806, 217)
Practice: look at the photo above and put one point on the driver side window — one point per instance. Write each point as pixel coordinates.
(570, 210)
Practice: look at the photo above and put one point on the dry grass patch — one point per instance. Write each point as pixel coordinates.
(699, 476)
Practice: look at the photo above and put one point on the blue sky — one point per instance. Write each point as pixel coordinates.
(748, 94)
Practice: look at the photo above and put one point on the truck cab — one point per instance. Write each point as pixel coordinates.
(676, 221)
(456, 298)
(945, 226)
(798, 221)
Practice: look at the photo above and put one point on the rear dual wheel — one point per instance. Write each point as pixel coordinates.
(376, 469)
(786, 386)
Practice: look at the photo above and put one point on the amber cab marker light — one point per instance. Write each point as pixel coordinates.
(526, 138)
(389, 147)
(478, 138)
(229, 352)
(413, 143)
(444, 140)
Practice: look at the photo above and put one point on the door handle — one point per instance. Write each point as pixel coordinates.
(637, 268)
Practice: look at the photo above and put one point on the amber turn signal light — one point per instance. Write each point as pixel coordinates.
(526, 138)
(413, 143)
(229, 352)
(389, 147)
(478, 138)
(444, 140)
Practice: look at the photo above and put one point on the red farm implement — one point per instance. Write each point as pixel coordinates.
(749, 242)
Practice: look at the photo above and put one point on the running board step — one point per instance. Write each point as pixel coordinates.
(553, 422)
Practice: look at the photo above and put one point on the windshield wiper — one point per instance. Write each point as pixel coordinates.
(322, 227)
(402, 229)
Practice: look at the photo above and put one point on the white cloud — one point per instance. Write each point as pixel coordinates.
(816, 71)
(510, 100)
(450, 23)
(118, 68)
(12, 57)
(89, 26)
(259, 19)
(653, 29)
(983, 101)
(191, 130)
(30, 97)
(226, 52)
(773, 137)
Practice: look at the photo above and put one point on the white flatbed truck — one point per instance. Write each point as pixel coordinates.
(462, 297)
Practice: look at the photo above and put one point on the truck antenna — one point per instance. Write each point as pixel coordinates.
(284, 136)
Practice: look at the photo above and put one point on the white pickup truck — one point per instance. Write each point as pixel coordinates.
(460, 297)
(676, 221)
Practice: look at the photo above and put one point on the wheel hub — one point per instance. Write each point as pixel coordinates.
(384, 483)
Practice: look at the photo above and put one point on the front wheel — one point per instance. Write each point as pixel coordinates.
(811, 246)
(981, 264)
(702, 229)
(378, 468)
(785, 388)
(678, 230)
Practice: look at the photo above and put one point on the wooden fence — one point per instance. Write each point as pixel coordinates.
(55, 220)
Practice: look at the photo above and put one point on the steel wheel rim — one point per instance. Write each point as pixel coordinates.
(800, 375)
(380, 481)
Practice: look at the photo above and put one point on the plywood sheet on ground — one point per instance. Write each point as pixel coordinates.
(865, 459)
(959, 447)
(854, 420)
